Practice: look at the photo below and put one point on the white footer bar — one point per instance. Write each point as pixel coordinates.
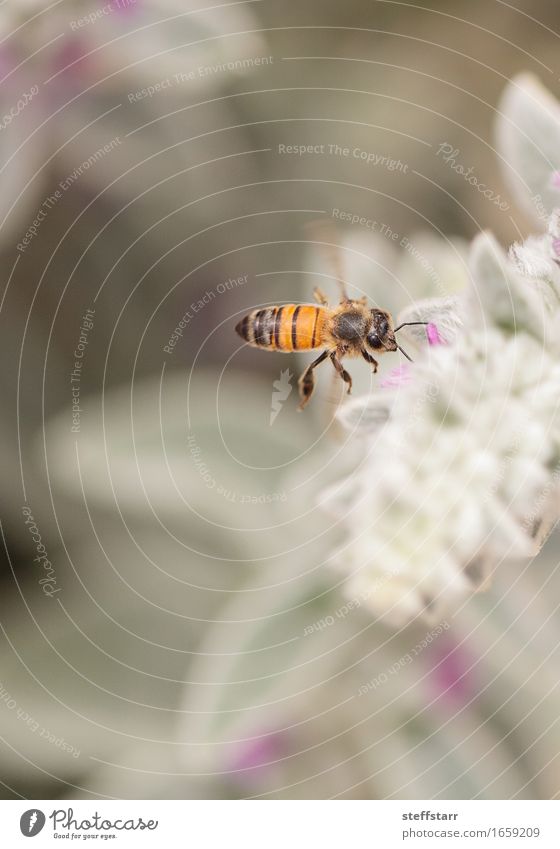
(282, 824)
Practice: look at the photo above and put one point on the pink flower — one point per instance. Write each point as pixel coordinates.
(450, 673)
(260, 752)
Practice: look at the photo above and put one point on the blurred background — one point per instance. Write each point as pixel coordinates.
(169, 624)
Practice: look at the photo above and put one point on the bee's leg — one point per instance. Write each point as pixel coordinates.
(341, 370)
(369, 359)
(320, 297)
(306, 383)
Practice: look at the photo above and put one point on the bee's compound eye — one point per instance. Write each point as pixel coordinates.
(374, 341)
(379, 327)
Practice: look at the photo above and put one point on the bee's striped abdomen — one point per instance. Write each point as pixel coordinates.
(288, 328)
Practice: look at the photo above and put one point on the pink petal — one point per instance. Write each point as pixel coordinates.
(555, 179)
(258, 753)
(71, 59)
(399, 376)
(433, 336)
(125, 5)
(449, 675)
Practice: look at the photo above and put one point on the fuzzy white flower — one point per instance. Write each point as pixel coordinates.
(452, 474)
(538, 258)
(460, 464)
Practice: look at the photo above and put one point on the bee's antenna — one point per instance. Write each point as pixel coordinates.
(409, 324)
(404, 352)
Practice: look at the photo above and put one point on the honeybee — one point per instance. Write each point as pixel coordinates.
(352, 329)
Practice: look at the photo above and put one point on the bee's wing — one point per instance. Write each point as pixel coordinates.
(446, 313)
(324, 232)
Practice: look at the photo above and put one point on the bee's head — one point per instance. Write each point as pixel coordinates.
(381, 335)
